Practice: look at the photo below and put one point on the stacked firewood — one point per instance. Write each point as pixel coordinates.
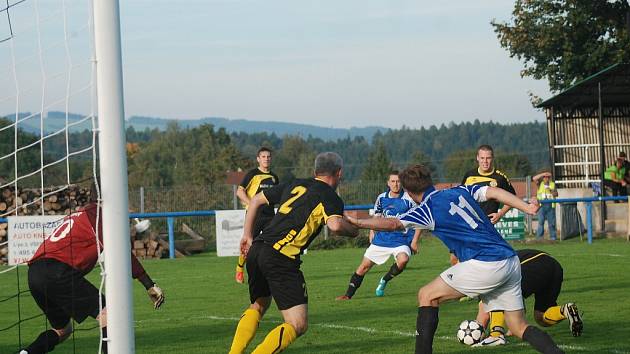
(146, 245)
(30, 202)
(4, 250)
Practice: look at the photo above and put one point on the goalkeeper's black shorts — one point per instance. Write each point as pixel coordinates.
(270, 273)
(62, 292)
(542, 277)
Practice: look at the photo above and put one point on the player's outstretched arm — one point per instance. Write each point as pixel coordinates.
(341, 227)
(377, 223)
(512, 200)
(250, 216)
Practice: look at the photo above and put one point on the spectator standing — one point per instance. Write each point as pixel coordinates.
(546, 190)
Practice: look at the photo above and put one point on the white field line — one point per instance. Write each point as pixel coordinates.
(368, 330)
(8, 269)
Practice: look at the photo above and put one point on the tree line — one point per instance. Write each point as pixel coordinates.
(204, 155)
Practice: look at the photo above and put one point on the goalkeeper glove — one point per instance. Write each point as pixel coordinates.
(156, 295)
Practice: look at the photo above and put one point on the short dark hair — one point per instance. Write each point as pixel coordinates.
(328, 164)
(263, 149)
(486, 147)
(393, 173)
(622, 154)
(416, 178)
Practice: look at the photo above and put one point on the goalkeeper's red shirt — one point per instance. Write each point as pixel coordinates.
(73, 242)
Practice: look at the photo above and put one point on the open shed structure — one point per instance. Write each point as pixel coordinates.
(588, 125)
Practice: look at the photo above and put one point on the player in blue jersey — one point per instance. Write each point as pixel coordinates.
(489, 268)
(384, 244)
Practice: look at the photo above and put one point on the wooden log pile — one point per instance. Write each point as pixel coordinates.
(4, 250)
(29, 202)
(145, 245)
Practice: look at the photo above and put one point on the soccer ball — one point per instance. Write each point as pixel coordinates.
(470, 332)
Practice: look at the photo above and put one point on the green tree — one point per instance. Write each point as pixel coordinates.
(419, 157)
(26, 161)
(291, 160)
(513, 164)
(564, 41)
(378, 164)
(198, 156)
(458, 163)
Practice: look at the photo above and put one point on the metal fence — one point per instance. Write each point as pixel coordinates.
(218, 197)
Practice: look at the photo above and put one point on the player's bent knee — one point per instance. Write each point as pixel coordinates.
(517, 327)
(363, 269)
(402, 260)
(102, 318)
(426, 296)
(300, 327)
(261, 305)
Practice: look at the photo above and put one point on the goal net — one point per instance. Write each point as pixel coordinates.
(52, 143)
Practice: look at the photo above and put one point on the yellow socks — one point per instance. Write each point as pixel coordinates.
(497, 323)
(245, 331)
(277, 340)
(240, 264)
(553, 315)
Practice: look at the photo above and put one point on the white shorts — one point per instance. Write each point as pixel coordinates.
(379, 254)
(497, 284)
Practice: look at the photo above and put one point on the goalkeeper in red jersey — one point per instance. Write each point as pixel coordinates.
(56, 278)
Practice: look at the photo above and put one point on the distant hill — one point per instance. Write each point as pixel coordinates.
(54, 121)
(57, 120)
(248, 126)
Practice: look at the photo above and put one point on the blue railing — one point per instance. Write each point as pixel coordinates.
(170, 216)
(170, 220)
(589, 209)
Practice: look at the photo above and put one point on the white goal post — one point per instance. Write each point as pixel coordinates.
(61, 64)
(113, 168)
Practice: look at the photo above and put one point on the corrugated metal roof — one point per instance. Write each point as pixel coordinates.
(615, 82)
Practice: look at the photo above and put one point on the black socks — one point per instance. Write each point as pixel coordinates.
(541, 341)
(393, 271)
(104, 343)
(355, 283)
(45, 342)
(426, 324)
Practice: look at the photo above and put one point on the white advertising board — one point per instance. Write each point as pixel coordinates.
(26, 233)
(229, 229)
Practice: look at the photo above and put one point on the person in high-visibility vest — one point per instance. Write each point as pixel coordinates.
(546, 190)
(614, 178)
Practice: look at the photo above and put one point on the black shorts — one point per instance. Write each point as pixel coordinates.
(62, 292)
(543, 278)
(270, 273)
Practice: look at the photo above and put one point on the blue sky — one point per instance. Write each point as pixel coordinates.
(330, 63)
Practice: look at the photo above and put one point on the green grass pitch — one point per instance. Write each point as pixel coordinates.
(204, 303)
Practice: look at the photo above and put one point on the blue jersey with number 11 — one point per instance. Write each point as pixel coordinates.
(454, 216)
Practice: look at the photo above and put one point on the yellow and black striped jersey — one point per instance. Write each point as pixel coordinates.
(305, 206)
(256, 181)
(495, 178)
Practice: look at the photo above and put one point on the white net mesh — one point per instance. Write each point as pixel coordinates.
(47, 133)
